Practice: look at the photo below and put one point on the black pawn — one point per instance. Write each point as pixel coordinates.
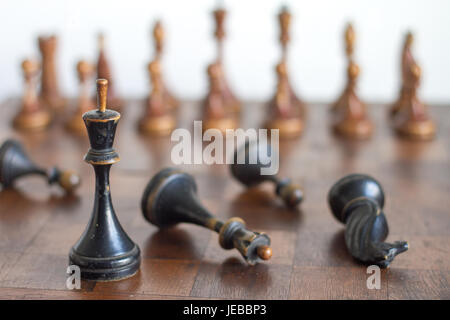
(357, 200)
(171, 197)
(247, 167)
(104, 252)
(14, 164)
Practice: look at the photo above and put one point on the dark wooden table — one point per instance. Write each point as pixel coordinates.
(38, 225)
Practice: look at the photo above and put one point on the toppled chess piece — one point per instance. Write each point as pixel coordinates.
(158, 36)
(157, 119)
(32, 115)
(104, 252)
(357, 200)
(104, 72)
(407, 60)
(49, 95)
(247, 169)
(215, 113)
(170, 198)
(349, 112)
(85, 73)
(412, 119)
(231, 103)
(14, 164)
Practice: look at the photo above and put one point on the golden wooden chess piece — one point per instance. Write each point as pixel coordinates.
(349, 112)
(49, 94)
(157, 119)
(407, 60)
(232, 104)
(286, 110)
(158, 36)
(104, 72)
(215, 113)
(412, 120)
(33, 115)
(284, 113)
(85, 73)
(351, 118)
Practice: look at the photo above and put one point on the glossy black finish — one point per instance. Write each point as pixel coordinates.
(171, 198)
(357, 201)
(104, 252)
(14, 164)
(247, 167)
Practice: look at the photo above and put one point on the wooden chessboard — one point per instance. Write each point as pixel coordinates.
(38, 225)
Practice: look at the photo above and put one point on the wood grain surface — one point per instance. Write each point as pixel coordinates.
(38, 225)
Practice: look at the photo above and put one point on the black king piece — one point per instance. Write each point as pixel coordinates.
(104, 252)
(170, 198)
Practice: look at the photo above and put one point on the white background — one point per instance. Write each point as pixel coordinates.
(317, 65)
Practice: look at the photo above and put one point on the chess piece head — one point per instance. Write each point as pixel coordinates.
(250, 159)
(409, 39)
(357, 200)
(84, 70)
(352, 188)
(15, 163)
(158, 35)
(284, 18)
(171, 198)
(349, 40)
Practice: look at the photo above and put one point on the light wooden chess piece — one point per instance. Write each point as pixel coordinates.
(351, 119)
(406, 62)
(157, 119)
(85, 73)
(284, 18)
(158, 36)
(412, 120)
(33, 115)
(104, 72)
(349, 37)
(49, 94)
(216, 115)
(232, 104)
(284, 111)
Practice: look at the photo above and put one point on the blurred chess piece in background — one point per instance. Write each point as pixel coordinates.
(32, 115)
(50, 95)
(85, 72)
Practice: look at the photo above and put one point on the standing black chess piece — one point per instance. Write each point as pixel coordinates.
(247, 168)
(14, 163)
(357, 200)
(104, 252)
(170, 198)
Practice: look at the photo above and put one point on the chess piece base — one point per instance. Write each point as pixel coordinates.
(354, 128)
(56, 104)
(221, 124)
(162, 125)
(109, 268)
(417, 130)
(32, 120)
(289, 127)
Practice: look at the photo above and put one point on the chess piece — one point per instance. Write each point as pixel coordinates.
(216, 116)
(407, 61)
(352, 120)
(104, 252)
(232, 104)
(14, 164)
(357, 200)
(412, 120)
(85, 72)
(350, 115)
(158, 36)
(104, 72)
(157, 119)
(49, 95)
(170, 198)
(285, 110)
(249, 172)
(33, 115)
